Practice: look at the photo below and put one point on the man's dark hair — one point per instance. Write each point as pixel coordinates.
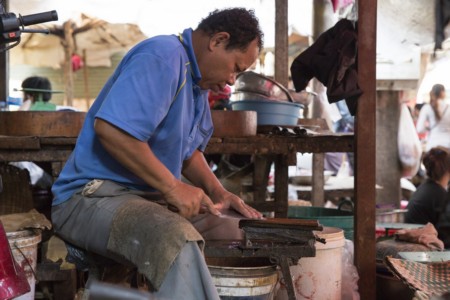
(39, 83)
(240, 23)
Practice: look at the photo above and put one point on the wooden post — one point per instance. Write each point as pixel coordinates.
(281, 42)
(365, 135)
(69, 46)
(86, 80)
(388, 168)
(318, 181)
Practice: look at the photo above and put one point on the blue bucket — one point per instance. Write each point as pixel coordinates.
(271, 112)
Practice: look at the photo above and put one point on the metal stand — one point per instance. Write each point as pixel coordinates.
(282, 241)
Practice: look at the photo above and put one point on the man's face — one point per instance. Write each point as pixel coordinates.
(220, 66)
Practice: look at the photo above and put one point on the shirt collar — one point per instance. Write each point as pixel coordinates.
(186, 40)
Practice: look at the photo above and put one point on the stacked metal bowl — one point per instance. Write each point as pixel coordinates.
(273, 102)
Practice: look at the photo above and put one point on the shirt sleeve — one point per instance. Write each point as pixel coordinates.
(141, 95)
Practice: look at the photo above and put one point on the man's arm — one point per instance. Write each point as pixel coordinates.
(137, 157)
(197, 171)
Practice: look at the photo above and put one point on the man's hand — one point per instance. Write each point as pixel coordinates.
(190, 200)
(225, 200)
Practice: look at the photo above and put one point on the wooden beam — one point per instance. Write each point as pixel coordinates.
(388, 169)
(365, 254)
(281, 42)
(397, 85)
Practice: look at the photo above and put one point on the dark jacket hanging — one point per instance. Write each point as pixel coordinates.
(332, 60)
(442, 17)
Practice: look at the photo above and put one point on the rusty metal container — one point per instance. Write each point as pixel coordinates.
(229, 123)
(243, 278)
(41, 123)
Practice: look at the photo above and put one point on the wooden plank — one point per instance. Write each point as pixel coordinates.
(41, 123)
(36, 156)
(282, 145)
(365, 254)
(59, 141)
(19, 142)
(397, 85)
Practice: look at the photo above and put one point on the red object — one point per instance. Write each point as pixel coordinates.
(383, 232)
(77, 62)
(13, 280)
(222, 95)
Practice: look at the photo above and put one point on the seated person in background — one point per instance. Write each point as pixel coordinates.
(430, 199)
(37, 93)
(36, 97)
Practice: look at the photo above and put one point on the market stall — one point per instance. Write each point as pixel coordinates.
(57, 149)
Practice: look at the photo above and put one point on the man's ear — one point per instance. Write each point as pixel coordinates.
(219, 39)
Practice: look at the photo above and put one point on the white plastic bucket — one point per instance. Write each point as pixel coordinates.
(23, 245)
(243, 278)
(319, 277)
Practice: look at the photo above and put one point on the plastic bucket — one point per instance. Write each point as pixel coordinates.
(23, 245)
(319, 277)
(271, 112)
(326, 216)
(243, 278)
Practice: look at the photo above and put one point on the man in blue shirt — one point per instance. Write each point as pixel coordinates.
(147, 128)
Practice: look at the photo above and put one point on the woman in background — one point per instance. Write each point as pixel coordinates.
(434, 118)
(428, 203)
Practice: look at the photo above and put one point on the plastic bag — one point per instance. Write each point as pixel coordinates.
(350, 275)
(409, 146)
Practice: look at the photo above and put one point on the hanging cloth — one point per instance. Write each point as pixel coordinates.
(442, 17)
(332, 60)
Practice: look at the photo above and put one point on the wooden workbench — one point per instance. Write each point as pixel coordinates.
(281, 149)
(54, 150)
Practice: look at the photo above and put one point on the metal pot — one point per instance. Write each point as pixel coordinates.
(251, 82)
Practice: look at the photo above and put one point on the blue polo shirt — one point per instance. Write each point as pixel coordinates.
(152, 95)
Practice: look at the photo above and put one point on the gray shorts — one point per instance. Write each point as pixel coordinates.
(85, 219)
(132, 226)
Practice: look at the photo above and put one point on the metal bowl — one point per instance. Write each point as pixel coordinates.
(271, 112)
(238, 96)
(252, 82)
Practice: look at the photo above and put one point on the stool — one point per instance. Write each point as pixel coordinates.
(101, 268)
